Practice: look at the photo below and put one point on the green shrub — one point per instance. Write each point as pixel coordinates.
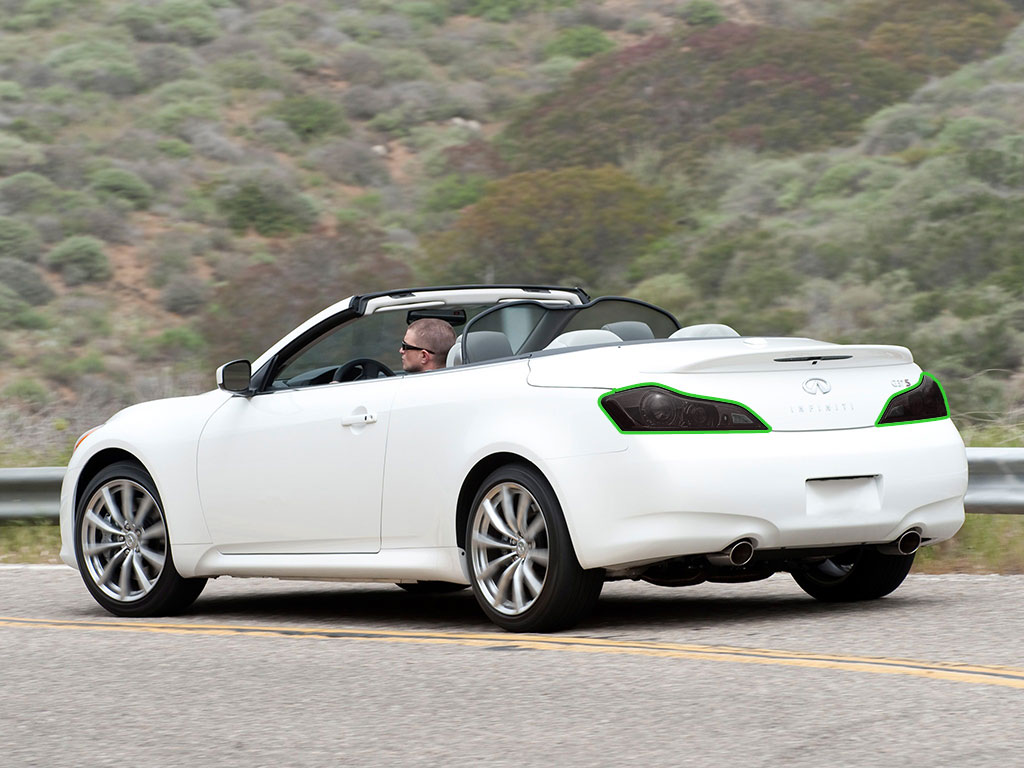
(184, 295)
(18, 155)
(310, 117)
(12, 306)
(424, 12)
(25, 281)
(454, 192)
(181, 343)
(703, 13)
(98, 65)
(249, 70)
(299, 60)
(80, 259)
(123, 185)
(174, 117)
(297, 19)
(11, 91)
(28, 191)
(19, 240)
(265, 203)
(506, 10)
(579, 43)
(190, 22)
(30, 392)
(174, 148)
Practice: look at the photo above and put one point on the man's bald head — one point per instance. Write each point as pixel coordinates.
(434, 337)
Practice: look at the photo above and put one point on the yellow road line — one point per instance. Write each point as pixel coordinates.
(1010, 677)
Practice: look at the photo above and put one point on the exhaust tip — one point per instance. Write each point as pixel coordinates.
(909, 542)
(736, 554)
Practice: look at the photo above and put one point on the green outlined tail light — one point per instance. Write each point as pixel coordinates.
(925, 401)
(655, 408)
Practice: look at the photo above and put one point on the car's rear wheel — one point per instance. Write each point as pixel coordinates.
(861, 574)
(123, 549)
(522, 565)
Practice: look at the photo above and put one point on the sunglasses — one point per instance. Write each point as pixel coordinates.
(410, 348)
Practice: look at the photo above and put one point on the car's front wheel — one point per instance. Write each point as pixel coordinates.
(861, 574)
(123, 549)
(522, 565)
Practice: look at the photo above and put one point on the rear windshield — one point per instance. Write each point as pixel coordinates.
(523, 327)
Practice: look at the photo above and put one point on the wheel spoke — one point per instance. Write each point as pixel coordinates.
(532, 582)
(539, 556)
(112, 566)
(521, 511)
(126, 503)
(494, 565)
(502, 587)
(124, 582)
(490, 541)
(140, 573)
(112, 508)
(495, 518)
(157, 529)
(102, 546)
(535, 528)
(143, 510)
(154, 558)
(508, 509)
(517, 586)
(102, 524)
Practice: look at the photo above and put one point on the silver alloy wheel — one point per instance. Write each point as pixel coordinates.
(124, 540)
(509, 548)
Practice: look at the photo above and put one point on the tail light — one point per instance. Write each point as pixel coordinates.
(654, 408)
(925, 401)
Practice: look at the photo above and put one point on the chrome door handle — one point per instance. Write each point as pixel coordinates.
(359, 419)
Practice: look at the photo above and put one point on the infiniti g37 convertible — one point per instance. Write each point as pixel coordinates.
(567, 442)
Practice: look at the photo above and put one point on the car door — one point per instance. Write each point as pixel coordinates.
(297, 471)
(298, 466)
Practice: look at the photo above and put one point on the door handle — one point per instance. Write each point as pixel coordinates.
(358, 419)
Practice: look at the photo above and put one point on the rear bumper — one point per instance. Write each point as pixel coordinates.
(672, 495)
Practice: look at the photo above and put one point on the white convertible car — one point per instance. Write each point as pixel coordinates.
(567, 442)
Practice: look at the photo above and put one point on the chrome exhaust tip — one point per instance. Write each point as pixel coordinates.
(907, 544)
(736, 554)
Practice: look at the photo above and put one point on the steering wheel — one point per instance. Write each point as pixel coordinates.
(361, 368)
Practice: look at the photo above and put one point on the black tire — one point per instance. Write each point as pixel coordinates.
(863, 574)
(505, 576)
(431, 587)
(138, 551)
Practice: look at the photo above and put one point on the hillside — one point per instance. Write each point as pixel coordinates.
(182, 181)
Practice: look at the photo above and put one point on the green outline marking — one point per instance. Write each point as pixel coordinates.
(751, 411)
(945, 402)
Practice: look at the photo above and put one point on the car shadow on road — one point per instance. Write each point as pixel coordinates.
(388, 607)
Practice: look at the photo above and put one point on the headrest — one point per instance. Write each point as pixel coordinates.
(630, 330)
(583, 338)
(705, 331)
(487, 345)
(455, 354)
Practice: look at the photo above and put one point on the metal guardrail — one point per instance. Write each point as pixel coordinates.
(30, 493)
(996, 487)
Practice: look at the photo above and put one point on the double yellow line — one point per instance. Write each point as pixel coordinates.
(1009, 677)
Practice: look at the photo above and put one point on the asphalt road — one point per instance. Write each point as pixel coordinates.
(273, 673)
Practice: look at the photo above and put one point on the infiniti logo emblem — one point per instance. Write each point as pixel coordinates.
(817, 387)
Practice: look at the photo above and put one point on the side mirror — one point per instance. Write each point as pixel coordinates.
(235, 376)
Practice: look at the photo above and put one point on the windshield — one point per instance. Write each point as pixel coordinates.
(528, 326)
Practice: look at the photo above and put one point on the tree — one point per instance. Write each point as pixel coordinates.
(547, 226)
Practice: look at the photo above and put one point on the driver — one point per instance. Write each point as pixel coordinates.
(426, 344)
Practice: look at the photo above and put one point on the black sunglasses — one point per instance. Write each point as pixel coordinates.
(410, 348)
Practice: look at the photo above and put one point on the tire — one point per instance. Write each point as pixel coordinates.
(431, 587)
(522, 566)
(125, 559)
(864, 574)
